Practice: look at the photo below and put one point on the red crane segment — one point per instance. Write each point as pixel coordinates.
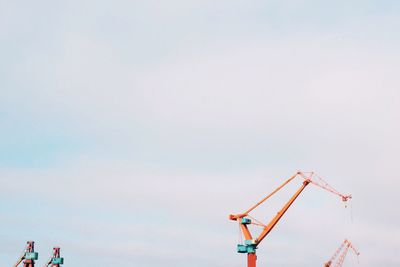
(250, 243)
(341, 252)
(28, 256)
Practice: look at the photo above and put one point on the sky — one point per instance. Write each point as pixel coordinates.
(130, 130)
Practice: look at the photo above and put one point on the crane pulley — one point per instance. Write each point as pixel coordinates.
(244, 219)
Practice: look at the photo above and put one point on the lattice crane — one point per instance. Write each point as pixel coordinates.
(55, 260)
(28, 256)
(244, 219)
(341, 252)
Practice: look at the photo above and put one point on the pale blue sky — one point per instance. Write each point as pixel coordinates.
(130, 130)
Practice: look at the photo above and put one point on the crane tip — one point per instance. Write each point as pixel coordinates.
(345, 198)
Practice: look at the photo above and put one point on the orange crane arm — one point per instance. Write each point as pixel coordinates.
(275, 220)
(279, 215)
(307, 176)
(273, 192)
(245, 229)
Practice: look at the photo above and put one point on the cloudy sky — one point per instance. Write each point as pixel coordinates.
(131, 129)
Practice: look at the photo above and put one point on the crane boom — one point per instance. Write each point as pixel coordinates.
(279, 215)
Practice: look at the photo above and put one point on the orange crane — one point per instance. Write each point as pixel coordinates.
(244, 219)
(55, 259)
(28, 256)
(343, 249)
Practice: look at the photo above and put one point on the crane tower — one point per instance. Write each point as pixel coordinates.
(55, 260)
(28, 256)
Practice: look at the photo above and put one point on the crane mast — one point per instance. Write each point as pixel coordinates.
(244, 219)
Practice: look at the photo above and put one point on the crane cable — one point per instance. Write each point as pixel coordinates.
(323, 184)
(256, 222)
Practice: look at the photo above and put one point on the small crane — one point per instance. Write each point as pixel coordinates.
(55, 260)
(343, 249)
(28, 256)
(244, 219)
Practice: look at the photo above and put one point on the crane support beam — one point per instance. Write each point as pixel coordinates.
(279, 215)
(272, 193)
(245, 231)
